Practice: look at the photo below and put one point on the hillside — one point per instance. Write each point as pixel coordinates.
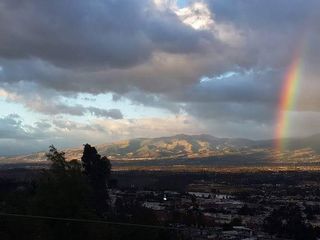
(195, 150)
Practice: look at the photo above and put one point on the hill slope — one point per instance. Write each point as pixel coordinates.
(201, 149)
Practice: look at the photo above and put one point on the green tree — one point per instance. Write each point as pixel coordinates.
(62, 191)
(97, 169)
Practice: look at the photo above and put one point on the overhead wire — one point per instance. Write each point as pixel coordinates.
(79, 220)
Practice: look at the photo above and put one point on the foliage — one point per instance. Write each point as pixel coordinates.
(97, 169)
(71, 190)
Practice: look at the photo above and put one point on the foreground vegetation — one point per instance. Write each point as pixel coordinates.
(68, 201)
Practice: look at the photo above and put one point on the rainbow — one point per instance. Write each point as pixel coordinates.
(287, 101)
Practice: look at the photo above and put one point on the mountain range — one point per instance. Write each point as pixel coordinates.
(194, 149)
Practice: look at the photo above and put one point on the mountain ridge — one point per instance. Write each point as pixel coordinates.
(183, 146)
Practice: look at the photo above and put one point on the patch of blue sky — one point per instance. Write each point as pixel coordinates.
(29, 117)
(182, 3)
(7, 108)
(230, 74)
(219, 77)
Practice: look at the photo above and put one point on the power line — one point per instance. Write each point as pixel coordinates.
(79, 220)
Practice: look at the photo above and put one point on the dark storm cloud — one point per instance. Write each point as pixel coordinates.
(240, 97)
(270, 15)
(51, 108)
(273, 29)
(78, 110)
(233, 112)
(151, 100)
(80, 33)
(240, 87)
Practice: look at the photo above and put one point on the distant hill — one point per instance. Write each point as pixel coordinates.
(187, 146)
(312, 142)
(200, 149)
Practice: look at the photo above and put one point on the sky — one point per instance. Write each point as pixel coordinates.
(99, 71)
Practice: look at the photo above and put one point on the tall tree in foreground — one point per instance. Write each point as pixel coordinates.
(62, 191)
(97, 169)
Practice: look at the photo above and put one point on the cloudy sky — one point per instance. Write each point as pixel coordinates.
(98, 71)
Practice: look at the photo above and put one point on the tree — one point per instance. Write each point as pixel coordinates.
(62, 191)
(57, 159)
(97, 169)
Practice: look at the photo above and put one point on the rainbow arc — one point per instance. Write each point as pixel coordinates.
(287, 101)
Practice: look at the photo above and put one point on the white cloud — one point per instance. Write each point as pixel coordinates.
(151, 127)
(199, 16)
